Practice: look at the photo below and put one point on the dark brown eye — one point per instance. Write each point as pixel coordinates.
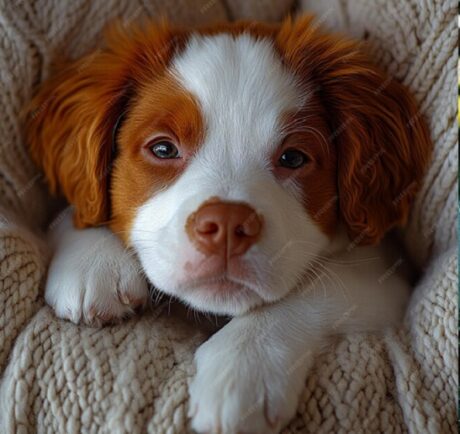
(293, 159)
(164, 149)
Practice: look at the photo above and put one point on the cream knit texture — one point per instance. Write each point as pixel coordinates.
(132, 378)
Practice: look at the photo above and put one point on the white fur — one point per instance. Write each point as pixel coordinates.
(250, 373)
(92, 277)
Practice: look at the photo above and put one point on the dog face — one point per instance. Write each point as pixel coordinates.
(237, 166)
(241, 151)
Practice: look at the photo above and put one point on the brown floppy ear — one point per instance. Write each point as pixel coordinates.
(382, 141)
(71, 121)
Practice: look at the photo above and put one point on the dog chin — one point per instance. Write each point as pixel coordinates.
(220, 297)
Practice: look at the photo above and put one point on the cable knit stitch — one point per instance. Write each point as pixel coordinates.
(133, 377)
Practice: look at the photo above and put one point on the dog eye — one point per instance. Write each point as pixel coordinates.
(165, 150)
(293, 159)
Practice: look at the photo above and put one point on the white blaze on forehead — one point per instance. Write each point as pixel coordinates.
(242, 87)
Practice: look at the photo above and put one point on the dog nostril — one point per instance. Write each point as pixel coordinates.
(250, 227)
(208, 228)
(239, 231)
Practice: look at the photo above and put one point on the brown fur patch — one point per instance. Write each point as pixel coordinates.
(382, 142)
(308, 132)
(162, 106)
(70, 121)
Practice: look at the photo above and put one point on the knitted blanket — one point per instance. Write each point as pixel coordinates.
(61, 378)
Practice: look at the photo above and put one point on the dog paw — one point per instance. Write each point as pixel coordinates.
(239, 388)
(94, 279)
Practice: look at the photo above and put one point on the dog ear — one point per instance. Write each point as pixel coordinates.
(383, 144)
(71, 121)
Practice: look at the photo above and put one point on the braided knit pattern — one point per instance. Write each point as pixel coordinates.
(133, 377)
(21, 268)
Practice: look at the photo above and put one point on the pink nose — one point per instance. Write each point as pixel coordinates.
(224, 228)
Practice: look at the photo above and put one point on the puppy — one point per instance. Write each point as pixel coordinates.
(252, 170)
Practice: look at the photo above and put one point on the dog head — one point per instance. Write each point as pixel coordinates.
(241, 150)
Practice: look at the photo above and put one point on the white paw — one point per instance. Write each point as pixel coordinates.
(241, 388)
(94, 279)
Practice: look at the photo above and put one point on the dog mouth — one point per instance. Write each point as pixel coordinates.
(221, 289)
(221, 295)
(222, 284)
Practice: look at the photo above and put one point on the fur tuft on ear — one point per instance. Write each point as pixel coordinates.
(382, 141)
(70, 121)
